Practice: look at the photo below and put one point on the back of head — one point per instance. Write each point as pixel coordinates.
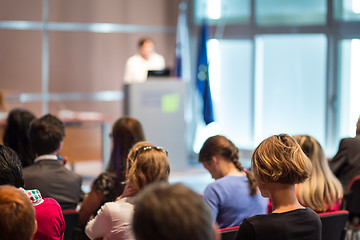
(171, 212)
(322, 184)
(142, 41)
(313, 151)
(16, 134)
(46, 134)
(147, 163)
(10, 168)
(221, 146)
(279, 159)
(126, 132)
(17, 215)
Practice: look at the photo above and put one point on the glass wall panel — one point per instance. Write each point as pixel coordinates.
(347, 10)
(230, 11)
(290, 92)
(349, 85)
(231, 89)
(290, 12)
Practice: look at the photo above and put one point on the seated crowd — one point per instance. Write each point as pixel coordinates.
(289, 182)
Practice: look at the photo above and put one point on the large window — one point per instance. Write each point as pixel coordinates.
(290, 12)
(290, 66)
(348, 10)
(349, 85)
(290, 85)
(230, 11)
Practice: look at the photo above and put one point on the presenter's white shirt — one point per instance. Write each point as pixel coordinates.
(136, 68)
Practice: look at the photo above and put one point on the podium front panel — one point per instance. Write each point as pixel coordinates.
(159, 106)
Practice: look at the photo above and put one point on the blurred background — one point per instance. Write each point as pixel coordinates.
(275, 65)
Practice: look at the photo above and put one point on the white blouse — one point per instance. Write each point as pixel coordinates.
(113, 221)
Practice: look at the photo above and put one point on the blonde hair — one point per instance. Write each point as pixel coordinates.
(322, 188)
(279, 159)
(17, 214)
(146, 163)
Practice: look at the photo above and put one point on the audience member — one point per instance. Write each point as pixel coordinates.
(234, 195)
(50, 220)
(278, 164)
(10, 168)
(172, 212)
(16, 135)
(17, 215)
(346, 163)
(146, 164)
(48, 174)
(49, 216)
(110, 184)
(322, 191)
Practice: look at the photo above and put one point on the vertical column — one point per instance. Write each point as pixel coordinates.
(45, 58)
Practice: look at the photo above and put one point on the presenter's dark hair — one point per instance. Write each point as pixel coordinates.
(143, 40)
(46, 133)
(16, 135)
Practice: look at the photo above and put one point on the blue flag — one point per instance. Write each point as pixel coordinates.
(202, 77)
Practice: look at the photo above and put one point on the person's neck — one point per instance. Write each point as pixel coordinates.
(231, 170)
(283, 198)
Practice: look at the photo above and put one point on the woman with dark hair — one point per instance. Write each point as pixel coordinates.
(108, 185)
(234, 195)
(16, 135)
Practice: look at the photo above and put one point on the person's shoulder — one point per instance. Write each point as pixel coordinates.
(28, 168)
(258, 219)
(51, 201)
(157, 55)
(351, 139)
(133, 58)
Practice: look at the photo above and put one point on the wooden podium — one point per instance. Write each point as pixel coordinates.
(158, 104)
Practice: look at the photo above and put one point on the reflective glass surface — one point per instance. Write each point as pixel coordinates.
(290, 12)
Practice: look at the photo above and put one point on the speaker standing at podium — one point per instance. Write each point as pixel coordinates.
(137, 66)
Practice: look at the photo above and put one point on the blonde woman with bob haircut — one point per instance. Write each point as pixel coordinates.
(278, 164)
(322, 191)
(146, 163)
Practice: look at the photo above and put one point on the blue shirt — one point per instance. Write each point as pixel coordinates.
(230, 201)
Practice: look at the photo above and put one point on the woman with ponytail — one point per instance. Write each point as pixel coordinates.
(234, 194)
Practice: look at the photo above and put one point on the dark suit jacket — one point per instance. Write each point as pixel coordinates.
(346, 163)
(53, 180)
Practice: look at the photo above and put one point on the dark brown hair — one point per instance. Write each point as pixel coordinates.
(171, 212)
(221, 146)
(16, 135)
(126, 132)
